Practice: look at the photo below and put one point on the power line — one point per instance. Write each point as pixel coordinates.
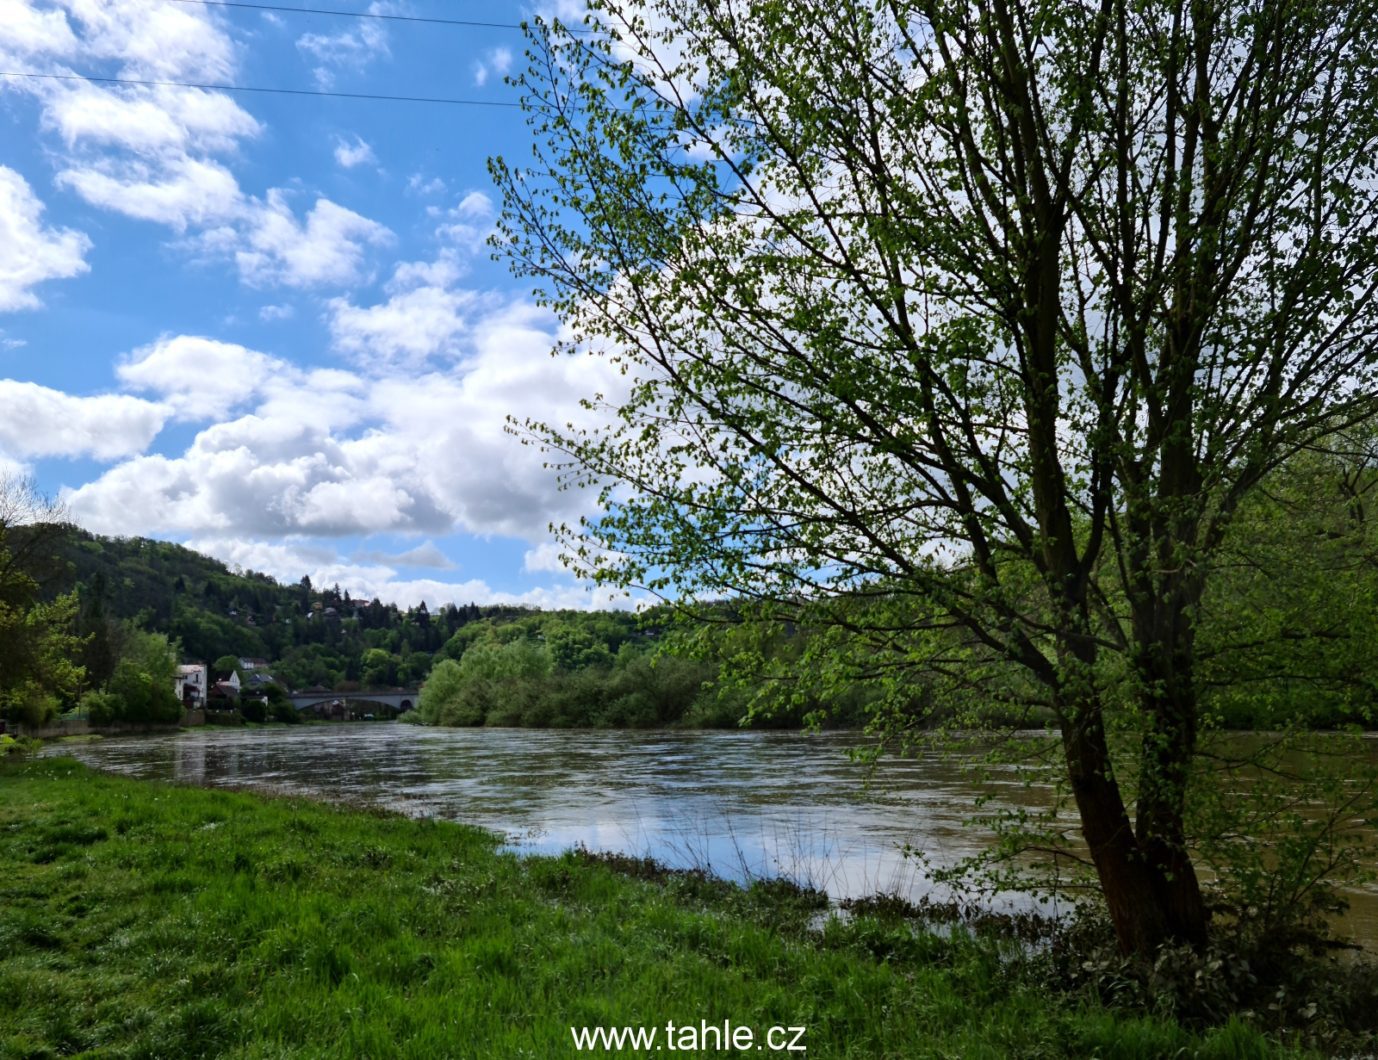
(259, 88)
(350, 14)
(358, 14)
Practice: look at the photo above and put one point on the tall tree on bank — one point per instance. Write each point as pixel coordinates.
(38, 647)
(993, 312)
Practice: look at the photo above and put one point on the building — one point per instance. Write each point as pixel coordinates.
(192, 685)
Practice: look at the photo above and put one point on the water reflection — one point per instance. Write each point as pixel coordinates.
(739, 804)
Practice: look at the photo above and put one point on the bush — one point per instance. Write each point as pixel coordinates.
(102, 708)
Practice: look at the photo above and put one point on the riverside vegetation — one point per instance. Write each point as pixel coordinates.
(144, 919)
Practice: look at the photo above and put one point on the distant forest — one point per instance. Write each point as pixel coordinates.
(498, 664)
(1288, 636)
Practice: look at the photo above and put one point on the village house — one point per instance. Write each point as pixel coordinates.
(192, 685)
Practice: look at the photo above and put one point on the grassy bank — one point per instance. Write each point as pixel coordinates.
(139, 919)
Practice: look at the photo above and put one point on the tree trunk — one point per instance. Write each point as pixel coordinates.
(1169, 744)
(1150, 889)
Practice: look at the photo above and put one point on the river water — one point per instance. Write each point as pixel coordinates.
(739, 804)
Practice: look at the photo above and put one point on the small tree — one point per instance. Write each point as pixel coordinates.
(963, 328)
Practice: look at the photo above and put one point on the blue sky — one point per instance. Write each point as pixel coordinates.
(268, 326)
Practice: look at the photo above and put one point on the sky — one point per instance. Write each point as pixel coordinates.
(268, 326)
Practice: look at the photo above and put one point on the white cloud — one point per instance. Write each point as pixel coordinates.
(161, 153)
(29, 252)
(421, 185)
(424, 316)
(258, 476)
(14, 469)
(176, 192)
(469, 222)
(495, 64)
(148, 121)
(206, 379)
(288, 561)
(425, 554)
(353, 154)
(39, 421)
(327, 248)
(350, 49)
(270, 313)
(330, 452)
(200, 378)
(544, 557)
(27, 32)
(155, 40)
(409, 327)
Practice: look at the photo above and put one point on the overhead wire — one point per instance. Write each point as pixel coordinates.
(350, 14)
(246, 4)
(261, 88)
(362, 14)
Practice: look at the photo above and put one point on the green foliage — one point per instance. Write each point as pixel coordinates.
(514, 683)
(226, 665)
(39, 649)
(1289, 626)
(970, 334)
(102, 708)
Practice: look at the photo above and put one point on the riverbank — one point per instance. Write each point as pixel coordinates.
(145, 919)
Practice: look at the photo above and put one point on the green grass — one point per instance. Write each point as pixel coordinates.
(147, 920)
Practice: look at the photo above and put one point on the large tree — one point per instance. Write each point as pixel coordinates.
(991, 312)
(38, 646)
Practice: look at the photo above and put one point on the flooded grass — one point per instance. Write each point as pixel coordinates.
(140, 919)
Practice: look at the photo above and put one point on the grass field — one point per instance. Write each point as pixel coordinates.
(146, 920)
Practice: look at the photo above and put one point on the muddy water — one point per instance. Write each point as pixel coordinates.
(741, 805)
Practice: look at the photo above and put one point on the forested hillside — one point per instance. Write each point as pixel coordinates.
(1288, 635)
(140, 605)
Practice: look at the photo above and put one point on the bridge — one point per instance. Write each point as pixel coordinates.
(403, 699)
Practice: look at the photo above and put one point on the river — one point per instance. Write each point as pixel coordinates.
(739, 804)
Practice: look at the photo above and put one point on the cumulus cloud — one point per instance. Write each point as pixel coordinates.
(326, 248)
(424, 316)
(270, 313)
(288, 561)
(469, 223)
(39, 422)
(161, 153)
(409, 327)
(149, 121)
(544, 557)
(329, 452)
(198, 377)
(155, 40)
(27, 32)
(348, 155)
(144, 151)
(201, 378)
(177, 192)
(29, 252)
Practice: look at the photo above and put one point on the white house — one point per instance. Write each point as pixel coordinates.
(191, 684)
